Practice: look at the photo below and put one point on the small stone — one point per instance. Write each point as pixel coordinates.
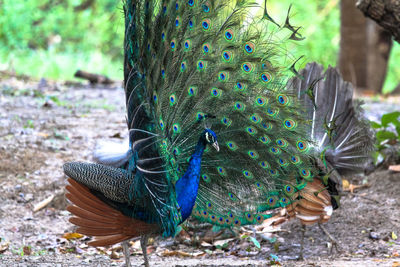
(374, 235)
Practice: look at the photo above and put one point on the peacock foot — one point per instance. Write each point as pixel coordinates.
(333, 242)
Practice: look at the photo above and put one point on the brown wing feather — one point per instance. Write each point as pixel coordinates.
(96, 218)
(104, 241)
(313, 206)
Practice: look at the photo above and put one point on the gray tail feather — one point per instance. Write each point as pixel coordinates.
(112, 153)
(338, 127)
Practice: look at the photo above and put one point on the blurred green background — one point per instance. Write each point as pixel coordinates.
(53, 39)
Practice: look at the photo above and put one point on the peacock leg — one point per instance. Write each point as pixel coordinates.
(333, 240)
(127, 254)
(143, 244)
(303, 231)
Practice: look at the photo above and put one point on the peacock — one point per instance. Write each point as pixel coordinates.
(342, 141)
(221, 127)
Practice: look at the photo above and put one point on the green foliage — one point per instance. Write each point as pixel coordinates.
(58, 25)
(29, 124)
(44, 38)
(320, 24)
(54, 38)
(50, 64)
(392, 78)
(384, 135)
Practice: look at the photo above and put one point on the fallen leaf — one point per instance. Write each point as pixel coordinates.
(44, 135)
(345, 184)
(168, 253)
(101, 250)
(66, 250)
(70, 236)
(205, 244)
(394, 236)
(4, 247)
(221, 243)
(115, 255)
(183, 235)
(198, 254)
(150, 249)
(135, 245)
(43, 203)
(211, 235)
(394, 168)
(27, 250)
(116, 135)
(255, 242)
(351, 187)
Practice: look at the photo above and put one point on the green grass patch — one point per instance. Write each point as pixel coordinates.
(49, 64)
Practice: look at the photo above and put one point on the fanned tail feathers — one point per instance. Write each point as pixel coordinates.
(195, 64)
(343, 136)
(343, 140)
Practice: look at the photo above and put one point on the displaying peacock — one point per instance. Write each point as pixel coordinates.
(341, 137)
(216, 127)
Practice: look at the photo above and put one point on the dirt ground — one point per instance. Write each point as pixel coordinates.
(44, 124)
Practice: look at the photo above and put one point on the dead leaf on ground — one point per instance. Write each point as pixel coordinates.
(169, 253)
(205, 244)
(183, 235)
(65, 250)
(27, 250)
(4, 247)
(394, 168)
(172, 253)
(135, 244)
(116, 135)
(348, 187)
(394, 236)
(222, 242)
(43, 203)
(70, 236)
(115, 255)
(44, 135)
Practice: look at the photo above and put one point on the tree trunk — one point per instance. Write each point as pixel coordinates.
(385, 12)
(353, 40)
(364, 49)
(379, 47)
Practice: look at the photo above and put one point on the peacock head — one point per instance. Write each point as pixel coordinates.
(210, 138)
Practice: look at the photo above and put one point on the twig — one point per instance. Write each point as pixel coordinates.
(43, 203)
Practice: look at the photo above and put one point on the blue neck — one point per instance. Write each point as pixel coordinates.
(186, 187)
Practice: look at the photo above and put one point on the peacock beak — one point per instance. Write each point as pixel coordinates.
(215, 145)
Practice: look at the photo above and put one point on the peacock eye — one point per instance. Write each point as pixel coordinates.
(208, 137)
